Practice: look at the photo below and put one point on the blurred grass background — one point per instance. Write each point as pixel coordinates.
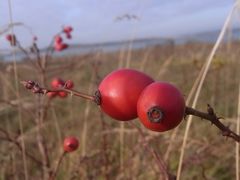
(208, 154)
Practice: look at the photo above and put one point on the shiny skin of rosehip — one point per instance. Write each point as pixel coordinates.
(57, 83)
(119, 92)
(70, 144)
(161, 106)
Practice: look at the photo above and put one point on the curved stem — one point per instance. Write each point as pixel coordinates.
(52, 177)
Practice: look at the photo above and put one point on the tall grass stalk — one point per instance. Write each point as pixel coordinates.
(208, 63)
(18, 94)
(238, 132)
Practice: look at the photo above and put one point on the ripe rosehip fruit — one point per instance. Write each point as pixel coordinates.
(70, 144)
(52, 94)
(57, 83)
(67, 29)
(69, 84)
(58, 39)
(68, 36)
(161, 106)
(119, 92)
(60, 46)
(12, 39)
(62, 94)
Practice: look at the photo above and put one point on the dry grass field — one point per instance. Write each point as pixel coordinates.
(110, 149)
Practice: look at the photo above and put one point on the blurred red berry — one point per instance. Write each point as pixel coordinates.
(9, 37)
(57, 83)
(60, 46)
(67, 29)
(52, 94)
(70, 144)
(58, 39)
(68, 36)
(69, 84)
(12, 39)
(62, 94)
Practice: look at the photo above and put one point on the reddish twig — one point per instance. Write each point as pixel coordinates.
(53, 175)
(35, 88)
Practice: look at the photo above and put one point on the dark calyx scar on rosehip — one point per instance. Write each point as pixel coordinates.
(161, 106)
(119, 91)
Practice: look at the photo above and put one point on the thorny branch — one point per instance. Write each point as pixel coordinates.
(209, 115)
(212, 117)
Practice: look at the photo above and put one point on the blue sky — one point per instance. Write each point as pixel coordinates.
(93, 20)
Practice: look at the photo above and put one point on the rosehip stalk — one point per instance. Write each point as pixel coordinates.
(35, 88)
(53, 175)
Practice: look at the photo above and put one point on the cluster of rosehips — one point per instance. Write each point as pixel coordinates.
(57, 83)
(126, 94)
(11, 38)
(59, 45)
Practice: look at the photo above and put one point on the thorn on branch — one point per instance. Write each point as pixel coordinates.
(212, 117)
(210, 110)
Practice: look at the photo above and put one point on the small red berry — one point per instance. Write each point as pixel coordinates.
(62, 94)
(9, 37)
(69, 84)
(67, 29)
(70, 144)
(57, 83)
(52, 94)
(119, 92)
(60, 47)
(58, 39)
(161, 106)
(68, 36)
(12, 39)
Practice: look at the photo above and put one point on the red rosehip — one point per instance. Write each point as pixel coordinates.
(60, 46)
(68, 36)
(58, 39)
(70, 144)
(9, 37)
(119, 92)
(67, 29)
(69, 84)
(62, 94)
(52, 94)
(161, 106)
(57, 83)
(12, 39)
